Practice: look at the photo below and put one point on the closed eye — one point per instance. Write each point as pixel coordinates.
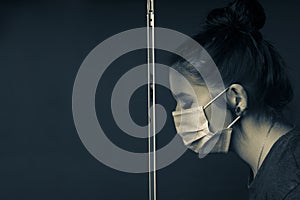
(185, 100)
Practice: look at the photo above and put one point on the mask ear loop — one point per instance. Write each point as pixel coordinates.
(209, 103)
(214, 99)
(234, 121)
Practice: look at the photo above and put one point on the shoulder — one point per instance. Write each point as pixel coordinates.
(293, 194)
(293, 140)
(287, 179)
(279, 177)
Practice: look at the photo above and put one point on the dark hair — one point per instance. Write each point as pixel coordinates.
(232, 38)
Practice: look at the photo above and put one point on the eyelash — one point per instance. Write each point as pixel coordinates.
(185, 102)
(187, 105)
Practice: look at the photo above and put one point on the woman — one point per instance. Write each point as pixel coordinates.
(257, 91)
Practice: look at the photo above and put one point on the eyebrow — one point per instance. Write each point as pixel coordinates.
(181, 94)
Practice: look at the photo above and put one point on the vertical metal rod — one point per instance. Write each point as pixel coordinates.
(151, 101)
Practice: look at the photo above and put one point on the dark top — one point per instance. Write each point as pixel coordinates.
(279, 174)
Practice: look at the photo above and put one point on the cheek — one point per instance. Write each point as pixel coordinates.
(228, 118)
(203, 96)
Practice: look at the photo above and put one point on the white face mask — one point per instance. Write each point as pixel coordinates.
(192, 125)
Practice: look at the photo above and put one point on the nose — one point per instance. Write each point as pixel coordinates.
(177, 107)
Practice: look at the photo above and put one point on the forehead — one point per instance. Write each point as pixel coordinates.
(179, 84)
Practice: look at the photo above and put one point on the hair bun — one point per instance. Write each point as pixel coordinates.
(243, 15)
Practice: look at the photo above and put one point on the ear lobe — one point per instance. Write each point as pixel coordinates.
(237, 98)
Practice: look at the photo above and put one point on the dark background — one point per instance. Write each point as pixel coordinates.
(42, 45)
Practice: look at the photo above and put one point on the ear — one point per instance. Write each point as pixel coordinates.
(237, 98)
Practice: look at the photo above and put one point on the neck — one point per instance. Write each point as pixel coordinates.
(252, 142)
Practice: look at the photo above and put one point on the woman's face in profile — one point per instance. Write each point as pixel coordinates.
(188, 94)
